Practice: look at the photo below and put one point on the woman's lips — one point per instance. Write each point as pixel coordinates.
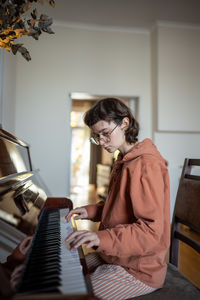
(107, 148)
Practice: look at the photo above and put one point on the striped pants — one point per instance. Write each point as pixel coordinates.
(112, 282)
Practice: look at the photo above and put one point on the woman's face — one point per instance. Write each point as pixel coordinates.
(110, 135)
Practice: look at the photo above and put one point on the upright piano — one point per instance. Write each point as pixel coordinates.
(51, 270)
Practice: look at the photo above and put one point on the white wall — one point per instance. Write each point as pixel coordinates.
(175, 147)
(178, 78)
(8, 91)
(177, 97)
(75, 60)
(1, 87)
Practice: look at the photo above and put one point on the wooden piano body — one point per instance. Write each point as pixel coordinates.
(22, 202)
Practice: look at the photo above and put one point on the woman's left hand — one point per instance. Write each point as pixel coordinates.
(15, 276)
(80, 237)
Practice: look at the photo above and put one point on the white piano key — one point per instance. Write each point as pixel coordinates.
(72, 278)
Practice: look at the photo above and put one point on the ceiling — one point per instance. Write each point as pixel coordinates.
(125, 14)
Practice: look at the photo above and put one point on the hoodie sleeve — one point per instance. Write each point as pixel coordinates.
(147, 194)
(95, 211)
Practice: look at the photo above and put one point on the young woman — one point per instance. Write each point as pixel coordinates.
(134, 232)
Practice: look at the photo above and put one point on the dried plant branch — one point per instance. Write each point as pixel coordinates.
(14, 26)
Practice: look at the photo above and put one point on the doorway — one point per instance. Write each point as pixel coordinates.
(90, 165)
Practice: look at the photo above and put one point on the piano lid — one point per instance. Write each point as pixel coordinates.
(14, 155)
(15, 163)
(20, 197)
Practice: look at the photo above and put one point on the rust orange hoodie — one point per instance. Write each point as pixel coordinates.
(135, 218)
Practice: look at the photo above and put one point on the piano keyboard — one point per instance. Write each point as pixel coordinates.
(50, 265)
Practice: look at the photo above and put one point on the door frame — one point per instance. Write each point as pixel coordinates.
(133, 104)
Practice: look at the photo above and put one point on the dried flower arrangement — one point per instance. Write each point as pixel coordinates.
(14, 25)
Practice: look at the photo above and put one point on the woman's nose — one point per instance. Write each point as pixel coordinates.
(101, 142)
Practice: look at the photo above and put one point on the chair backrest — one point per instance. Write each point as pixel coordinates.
(187, 209)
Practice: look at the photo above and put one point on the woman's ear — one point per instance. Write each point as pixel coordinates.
(125, 123)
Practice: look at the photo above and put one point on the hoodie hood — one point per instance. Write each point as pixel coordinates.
(146, 147)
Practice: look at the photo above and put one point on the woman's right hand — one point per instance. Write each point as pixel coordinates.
(80, 211)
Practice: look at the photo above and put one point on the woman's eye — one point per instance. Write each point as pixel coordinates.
(106, 134)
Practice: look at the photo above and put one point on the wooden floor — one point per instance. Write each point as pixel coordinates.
(189, 259)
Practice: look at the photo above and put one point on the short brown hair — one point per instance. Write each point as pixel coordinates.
(113, 109)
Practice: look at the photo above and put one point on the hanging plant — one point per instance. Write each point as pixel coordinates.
(13, 24)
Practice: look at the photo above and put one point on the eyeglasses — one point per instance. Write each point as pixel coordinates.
(95, 139)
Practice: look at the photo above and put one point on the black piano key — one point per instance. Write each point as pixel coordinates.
(52, 266)
(34, 280)
(47, 290)
(43, 264)
(46, 260)
(41, 285)
(50, 232)
(49, 243)
(45, 272)
(45, 252)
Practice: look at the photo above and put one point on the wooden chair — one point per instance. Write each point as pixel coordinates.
(186, 212)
